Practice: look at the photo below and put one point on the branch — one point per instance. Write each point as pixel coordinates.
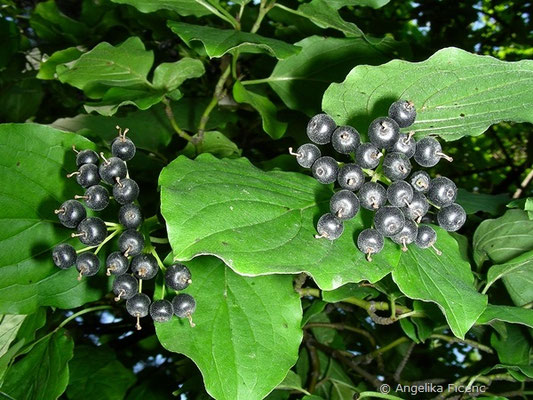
(469, 342)
(398, 373)
(170, 115)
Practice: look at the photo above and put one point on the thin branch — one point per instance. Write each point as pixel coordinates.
(315, 366)
(398, 373)
(523, 185)
(468, 342)
(170, 115)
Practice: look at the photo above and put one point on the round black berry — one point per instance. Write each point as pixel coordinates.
(418, 207)
(384, 132)
(389, 220)
(420, 181)
(64, 255)
(184, 306)
(144, 266)
(123, 148)
(369, 242)
(403, 112)
(306, 154)
(320, 128)
(367, 156)
(86, 157)
(161, 310)
(87, 264)
(406, 144)
(426, 237)
(344, 204)
(131, 243)
(138, 306)
(96, 197)
(129, 216)
(87, 175)
(116, 264)
(125, 286)
(345, 139)
(125, 191)
(372, 196)
(325, 170)
(396, 166)
(91, 231)
(442, 191)
(329, 227)
(407, 235)
(351, 177)
(71, 213)
(429, 152)
(400, 193)
(111, 169)
(178, 276)
(451, 217)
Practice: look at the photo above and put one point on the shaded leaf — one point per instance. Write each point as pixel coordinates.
(47, 70)
(514, 349)
(349, 290)
(446, 280)
(96, 374)
(218, 42)
(247, 330)
(216, 143)
(169, 76)
(301, 79)
(43, 373)
(9, 326)
(41, 157)
(504, 238)
(236, 201)
(182, 7)
(264, 106)
(490, 203)
(363, 3)
(456, 93)
(322, 14)
(292, 382)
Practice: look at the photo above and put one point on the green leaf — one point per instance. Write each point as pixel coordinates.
(216, 143)
(43, 373)
(513, 315)
(126, 65)
(322, 14)
(218, 42)
(504, 238)
(264, 106)
(20, 99)
(446, 280)
(47, 70)
(117, 97)
(517, 275)
(514, 349)
(292, 382)
(349, 290)
(9, 32)
(301, 79)
(456, 93)
(490, 203)
(215, 206)
(95, 373)
(40, 157)
(9, 326)
(362, 3)
(247, 330)
(181, 7)
(169, 76)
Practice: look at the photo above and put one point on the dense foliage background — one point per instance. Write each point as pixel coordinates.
(214, 92)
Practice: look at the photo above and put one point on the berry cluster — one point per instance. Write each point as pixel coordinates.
(400, 207)
(130, 265)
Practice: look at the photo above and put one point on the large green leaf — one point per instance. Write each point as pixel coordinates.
(456, 93)
(247, 330)
(517, 275)
(513, 315)
(126, 65)
(9, 326)
(504, 238)
(264, 106)
(218, 42)
(262, 222)
(182, 7)
(446, 280)
(96, 374)
(301, 79)
(34, 162)
(43, 373)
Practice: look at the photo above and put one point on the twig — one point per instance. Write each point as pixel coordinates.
(469, 342)
(315, 365)
(398, 373)
(523, 185)
(264, 8)
(170, 115)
